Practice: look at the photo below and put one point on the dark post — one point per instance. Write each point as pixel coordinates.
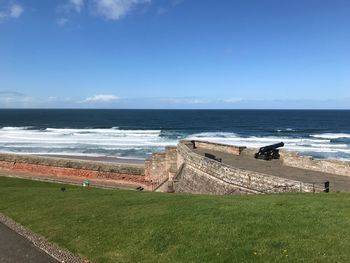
(326, 187)
(171, 187)
(193, 144)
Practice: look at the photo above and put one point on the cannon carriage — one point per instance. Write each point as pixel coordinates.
(269, 152)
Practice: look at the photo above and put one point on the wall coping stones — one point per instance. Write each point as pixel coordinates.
(232, 149)
(132, 169)
(307, 162)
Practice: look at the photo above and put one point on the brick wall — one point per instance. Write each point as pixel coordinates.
(65, 168)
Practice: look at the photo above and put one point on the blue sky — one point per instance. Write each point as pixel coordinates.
(175, 54)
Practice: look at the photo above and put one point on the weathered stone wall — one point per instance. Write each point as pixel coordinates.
(192, 180)
(293, 159)
(158, 174)
(247, 181)
(171, 161)
(231, 149)
(191, 172)
(161, 167)
(65, 168)
(305, 162)
(148, 170)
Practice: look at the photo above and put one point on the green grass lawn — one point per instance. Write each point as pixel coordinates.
(125, 226)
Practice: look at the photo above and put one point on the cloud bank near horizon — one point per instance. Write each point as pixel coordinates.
(102, 98)
(13, 99)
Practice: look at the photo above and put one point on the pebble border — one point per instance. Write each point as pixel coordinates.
(53, 250)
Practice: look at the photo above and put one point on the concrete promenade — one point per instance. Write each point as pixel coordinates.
(16, 249)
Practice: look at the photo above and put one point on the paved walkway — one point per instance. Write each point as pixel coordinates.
(276, 168)
(16, 249)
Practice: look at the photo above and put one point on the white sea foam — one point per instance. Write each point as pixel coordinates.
(89, 142)
(140, 143)
(13, 129)
(331, 135)
(317, 145)
(60, 154)
(287, 129)
(258, 141)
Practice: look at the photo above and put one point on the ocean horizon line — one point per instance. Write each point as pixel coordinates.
(185, 109)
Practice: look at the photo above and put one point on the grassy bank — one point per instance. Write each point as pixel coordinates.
(125, 226)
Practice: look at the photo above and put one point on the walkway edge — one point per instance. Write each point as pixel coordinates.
(49, 248)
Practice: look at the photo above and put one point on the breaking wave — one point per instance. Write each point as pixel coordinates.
(138, 144)
(89, 142)
(331, 135)
(320, 147)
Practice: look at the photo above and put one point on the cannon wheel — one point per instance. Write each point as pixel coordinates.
(267, 158)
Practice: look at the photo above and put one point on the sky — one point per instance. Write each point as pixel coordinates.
(175, 54)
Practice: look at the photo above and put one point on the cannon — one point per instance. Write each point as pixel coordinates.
(269, 152)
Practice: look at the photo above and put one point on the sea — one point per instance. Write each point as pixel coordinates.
(136, 134)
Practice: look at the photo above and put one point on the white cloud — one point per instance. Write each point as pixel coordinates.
(77, 4)
(100, 98)
(12, 10)
(13, 99)
(167, 5)
(185, 100)
(52, 98)
(16, 10)
(115, 9)
(162, 10)
(62, 21)
(72, 6)
(232, 100)
(176, 2)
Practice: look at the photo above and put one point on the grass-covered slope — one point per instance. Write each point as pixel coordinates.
(125, 226)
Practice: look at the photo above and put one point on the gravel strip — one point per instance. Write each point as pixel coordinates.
(53, 250)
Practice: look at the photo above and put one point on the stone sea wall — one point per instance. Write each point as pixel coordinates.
(179, 169)
(198, 169)
(293, 159)
(231, 149)
(192, 180)
(306, 162)
(161, 167)
(171, 161)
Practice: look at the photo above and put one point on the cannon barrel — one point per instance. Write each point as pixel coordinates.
(271, 147)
